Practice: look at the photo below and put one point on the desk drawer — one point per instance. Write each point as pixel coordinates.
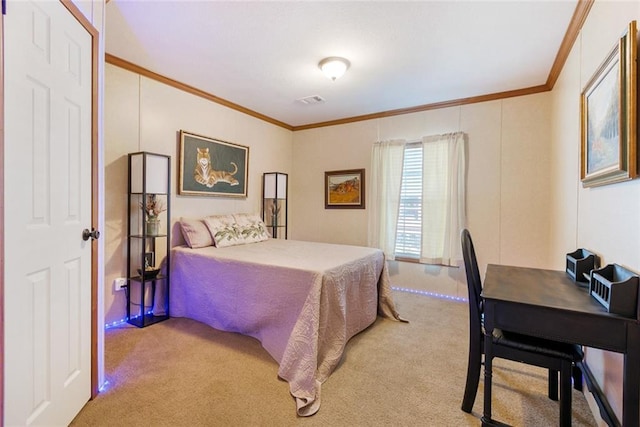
(599, 331)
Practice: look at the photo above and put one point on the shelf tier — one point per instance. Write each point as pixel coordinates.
(148, 194)
(146, 320)
(149, 279)
(140, 236)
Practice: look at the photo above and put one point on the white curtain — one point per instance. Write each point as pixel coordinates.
(384, 194)
(443, 198)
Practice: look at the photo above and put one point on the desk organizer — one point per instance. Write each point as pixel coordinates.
(616, 288)
(580, 263)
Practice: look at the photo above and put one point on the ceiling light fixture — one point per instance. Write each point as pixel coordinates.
(334, 67)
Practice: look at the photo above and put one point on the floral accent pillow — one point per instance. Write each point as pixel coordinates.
(251, 228)
(224, 230)
(195, 233)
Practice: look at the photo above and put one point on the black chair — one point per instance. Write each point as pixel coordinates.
(553, 355)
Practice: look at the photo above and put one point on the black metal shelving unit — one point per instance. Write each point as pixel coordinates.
(148, 245)
(275, 209)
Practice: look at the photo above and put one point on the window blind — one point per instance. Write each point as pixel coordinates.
(409, 229)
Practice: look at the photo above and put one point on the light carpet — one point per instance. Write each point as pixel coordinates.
(183, 373)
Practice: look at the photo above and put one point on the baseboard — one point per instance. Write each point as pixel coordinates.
(598, 402)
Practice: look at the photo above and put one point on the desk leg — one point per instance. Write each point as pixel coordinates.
(488, 363)
(631, 388)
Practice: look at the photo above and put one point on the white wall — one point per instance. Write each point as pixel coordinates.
(605, 219)
(145, 115)
(508, 183)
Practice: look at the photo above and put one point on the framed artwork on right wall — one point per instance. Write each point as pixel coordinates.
(608, 117)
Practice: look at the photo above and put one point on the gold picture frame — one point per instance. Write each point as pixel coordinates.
(212, 167)
(608, 117)
(344, 189)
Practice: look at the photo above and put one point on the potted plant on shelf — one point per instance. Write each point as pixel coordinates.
(275, 211)
(152, 209)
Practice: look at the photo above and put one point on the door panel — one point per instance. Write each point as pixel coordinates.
(48, 138)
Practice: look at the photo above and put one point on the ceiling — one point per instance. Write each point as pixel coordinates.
(263, 55)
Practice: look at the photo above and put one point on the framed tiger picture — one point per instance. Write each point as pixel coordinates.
(211, 167)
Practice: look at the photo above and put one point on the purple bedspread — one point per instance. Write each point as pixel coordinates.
(303, 301)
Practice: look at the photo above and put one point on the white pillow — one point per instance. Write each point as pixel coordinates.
(223, 229)
(251, 228)
(195, 233)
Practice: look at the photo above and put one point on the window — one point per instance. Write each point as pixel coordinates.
(418, 198)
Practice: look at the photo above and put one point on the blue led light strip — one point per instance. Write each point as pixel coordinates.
(429, 294)
(121, 321)
(115, 324)
(104, 386)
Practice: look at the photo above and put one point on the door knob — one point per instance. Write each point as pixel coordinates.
(93, 234)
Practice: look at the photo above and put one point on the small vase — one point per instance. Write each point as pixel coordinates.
(153, 226)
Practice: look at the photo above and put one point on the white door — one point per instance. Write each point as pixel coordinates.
(48, 89)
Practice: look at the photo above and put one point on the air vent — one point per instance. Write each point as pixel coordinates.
(310, 100)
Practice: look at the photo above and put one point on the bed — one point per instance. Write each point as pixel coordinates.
(303, 301)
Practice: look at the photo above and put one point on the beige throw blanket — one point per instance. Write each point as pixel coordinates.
(303, 301)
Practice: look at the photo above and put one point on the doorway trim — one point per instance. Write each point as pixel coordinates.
(95, 42)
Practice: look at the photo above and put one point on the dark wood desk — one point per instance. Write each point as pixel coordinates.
(548, 304)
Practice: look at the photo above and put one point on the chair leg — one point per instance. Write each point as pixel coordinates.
(577, 377)
(488, 373)
(565, 394)
(553, 384)
(473, 379)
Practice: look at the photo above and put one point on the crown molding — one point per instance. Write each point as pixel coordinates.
(577, 21)
(426, 107)
(119, 62)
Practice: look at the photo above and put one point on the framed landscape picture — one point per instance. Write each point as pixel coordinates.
(608, 117)
(344, 189)
(211, 167)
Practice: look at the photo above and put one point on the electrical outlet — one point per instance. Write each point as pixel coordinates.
(119, 283)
